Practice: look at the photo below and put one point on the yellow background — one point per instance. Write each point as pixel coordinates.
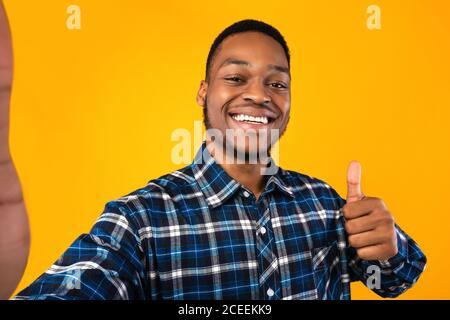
(93, 109)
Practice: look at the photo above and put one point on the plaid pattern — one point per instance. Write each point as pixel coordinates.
(198, 234)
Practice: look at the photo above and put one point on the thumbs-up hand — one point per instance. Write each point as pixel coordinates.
(369, 223)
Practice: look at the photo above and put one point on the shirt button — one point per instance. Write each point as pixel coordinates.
(270, 292)
(262, 230)
(246, 194)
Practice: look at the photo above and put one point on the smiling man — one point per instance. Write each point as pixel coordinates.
(225, 227)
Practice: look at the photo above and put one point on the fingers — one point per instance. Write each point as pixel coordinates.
(368, 238)
(354, 182)
(371, 233)
(383, 251)
(361, 224)
(362, 207)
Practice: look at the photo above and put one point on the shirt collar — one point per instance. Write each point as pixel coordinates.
(218, 186)
(279, 180)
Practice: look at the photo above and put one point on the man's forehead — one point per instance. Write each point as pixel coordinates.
(247, 47)
(239, 62)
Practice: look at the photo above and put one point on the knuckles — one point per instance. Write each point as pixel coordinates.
(384, 217)
(382, 224)
(379, 203)
(376, 203)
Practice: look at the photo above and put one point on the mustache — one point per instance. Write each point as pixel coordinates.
(271, 111)
(251, 105)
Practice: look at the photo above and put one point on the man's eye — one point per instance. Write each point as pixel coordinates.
(278, 85)
(234, 79)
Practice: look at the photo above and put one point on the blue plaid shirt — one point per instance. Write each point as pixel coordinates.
(198, 234)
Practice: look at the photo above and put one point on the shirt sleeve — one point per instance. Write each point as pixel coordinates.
(107, 263)
(387, 278)
(390, 278)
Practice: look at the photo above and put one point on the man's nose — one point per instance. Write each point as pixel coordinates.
(257, 93)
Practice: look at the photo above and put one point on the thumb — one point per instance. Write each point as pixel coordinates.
(354, 182)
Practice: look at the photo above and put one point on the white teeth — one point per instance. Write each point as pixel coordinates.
(244, 117)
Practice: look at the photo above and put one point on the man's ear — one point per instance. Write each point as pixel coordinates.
(201, 94)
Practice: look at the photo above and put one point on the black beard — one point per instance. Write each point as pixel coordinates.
(236, 152)
(205, 114)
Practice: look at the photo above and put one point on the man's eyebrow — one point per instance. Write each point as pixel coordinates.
(247, 64)
(234, 61)
(280, 69)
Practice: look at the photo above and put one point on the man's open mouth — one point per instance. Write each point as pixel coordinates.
(241, 117)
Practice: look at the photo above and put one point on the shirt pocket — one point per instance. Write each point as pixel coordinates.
(327, 271)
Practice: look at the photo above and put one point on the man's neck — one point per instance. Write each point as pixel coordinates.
(247, 174)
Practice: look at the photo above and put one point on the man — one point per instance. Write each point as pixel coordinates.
(233, 225)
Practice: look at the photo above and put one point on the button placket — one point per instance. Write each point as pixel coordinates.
(267, 259)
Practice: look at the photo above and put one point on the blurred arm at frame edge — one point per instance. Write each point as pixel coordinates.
(14, 228)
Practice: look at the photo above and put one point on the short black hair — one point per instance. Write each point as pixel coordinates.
(243, 26)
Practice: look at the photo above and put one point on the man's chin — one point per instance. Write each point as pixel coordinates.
(251, 155)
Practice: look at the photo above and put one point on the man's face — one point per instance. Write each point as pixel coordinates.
(248, 90)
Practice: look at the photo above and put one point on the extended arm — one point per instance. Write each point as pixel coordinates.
(14, 230)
